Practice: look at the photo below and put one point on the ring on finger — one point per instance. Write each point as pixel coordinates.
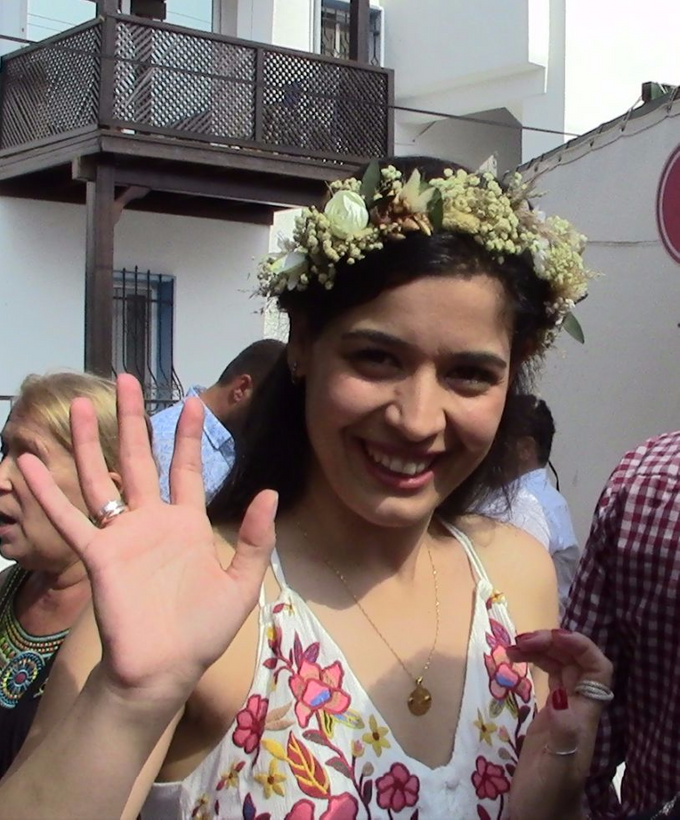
(112, 509)
(565, 753)
(593, 690)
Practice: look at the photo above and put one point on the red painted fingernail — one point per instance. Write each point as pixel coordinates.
(559, 699)
(524, 636)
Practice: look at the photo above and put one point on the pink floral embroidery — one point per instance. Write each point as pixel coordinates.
(398, 788)
(489, 780)
(250, 723)
(505, 676)
(318, 690)
(340, 807)
(302, 810)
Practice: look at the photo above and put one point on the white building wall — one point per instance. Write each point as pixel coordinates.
(294, 24)
(213, 262)
(42, 286)
(546, 109)
(13, 22)
(468, 143)
(621, 386)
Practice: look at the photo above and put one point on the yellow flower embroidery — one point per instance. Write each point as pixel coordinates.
(201, 810)
(271, 782)
(230, 778)
(376, 737)
(485, 729)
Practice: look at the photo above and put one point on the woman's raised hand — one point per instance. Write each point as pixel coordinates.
(556, 754)
(165, 607)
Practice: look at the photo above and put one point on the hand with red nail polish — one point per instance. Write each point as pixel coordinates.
(555, 758)
(559, 699)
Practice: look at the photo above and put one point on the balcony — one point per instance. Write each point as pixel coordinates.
(126, 113)
(207, 124)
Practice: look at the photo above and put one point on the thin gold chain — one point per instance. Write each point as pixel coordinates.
(418, 679)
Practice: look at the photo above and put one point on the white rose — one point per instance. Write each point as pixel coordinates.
(347, 213)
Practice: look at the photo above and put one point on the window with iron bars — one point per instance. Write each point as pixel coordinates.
(334, 35)
(143, 334)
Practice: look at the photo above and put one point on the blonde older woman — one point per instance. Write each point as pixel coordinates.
(43, 593)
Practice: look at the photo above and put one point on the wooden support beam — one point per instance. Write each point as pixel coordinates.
(359, 20)
(99, 272)
(251, 188)
(129, 195)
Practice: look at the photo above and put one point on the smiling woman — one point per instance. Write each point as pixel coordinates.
(390, 654)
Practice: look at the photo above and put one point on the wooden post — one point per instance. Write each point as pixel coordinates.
(99, 272)
(359, 15)
(106, 7)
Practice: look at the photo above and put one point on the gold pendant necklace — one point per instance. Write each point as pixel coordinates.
(420, 699)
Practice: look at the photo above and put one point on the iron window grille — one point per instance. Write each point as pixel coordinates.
(334, 37)
(143, 334)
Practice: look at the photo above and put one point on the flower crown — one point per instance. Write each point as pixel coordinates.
(361, 215)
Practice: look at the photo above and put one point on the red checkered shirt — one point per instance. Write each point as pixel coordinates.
(626, 597)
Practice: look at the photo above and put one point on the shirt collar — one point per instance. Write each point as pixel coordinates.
(216, 433)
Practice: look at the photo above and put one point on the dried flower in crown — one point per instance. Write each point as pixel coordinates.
(362, 215)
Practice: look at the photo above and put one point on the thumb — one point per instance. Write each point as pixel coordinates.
(565, 761)
(563, 734)
(256, 540)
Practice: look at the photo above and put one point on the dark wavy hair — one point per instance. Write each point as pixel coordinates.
(273, 450)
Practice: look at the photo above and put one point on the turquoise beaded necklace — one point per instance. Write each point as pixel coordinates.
(22, 655)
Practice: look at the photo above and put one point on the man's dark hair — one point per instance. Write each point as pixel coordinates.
(256, 361)
(534, 419)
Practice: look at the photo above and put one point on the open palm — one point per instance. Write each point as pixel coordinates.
(165, 607)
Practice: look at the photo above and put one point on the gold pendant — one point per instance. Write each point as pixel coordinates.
(420, 700)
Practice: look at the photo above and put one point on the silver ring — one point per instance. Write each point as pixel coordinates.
(109, 511)
(594, 691)
(568, 753)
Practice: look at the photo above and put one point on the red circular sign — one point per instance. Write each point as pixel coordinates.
(668, 205)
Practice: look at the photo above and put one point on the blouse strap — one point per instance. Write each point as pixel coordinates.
(470, 551)
(277, 569)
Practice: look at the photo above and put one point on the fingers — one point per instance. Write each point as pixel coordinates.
(69, 522)
(566, 754)
(186, 470)
(255, 542)
(563, 735)
(138, 468)
(593, 663)
(93, 474)
(555, 649)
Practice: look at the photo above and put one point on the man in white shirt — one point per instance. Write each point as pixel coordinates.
(534, 434)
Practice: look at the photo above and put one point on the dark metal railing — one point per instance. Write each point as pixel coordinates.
(145, 77)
